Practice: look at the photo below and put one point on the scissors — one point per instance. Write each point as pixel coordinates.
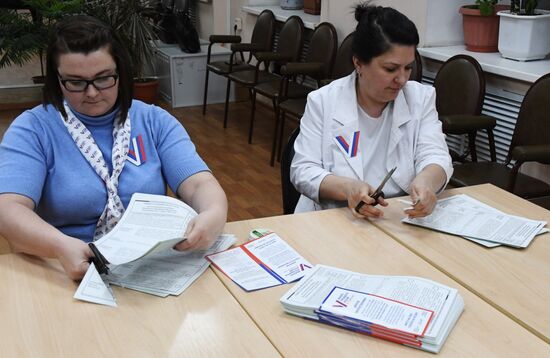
(378, 192)
(99, 260)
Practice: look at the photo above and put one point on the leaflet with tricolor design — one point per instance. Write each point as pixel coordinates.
(373, 313)
(261, 263)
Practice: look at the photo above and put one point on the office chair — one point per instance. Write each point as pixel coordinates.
(530, 143)
(261, 40)
(290, 194)
(288, 50)
(460, 89)
(317, 65)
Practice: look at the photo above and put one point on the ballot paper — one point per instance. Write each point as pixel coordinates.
(464, 216)
(151, 223)
(93, 289)
(161, 274)
(261, 263)
(166, 273)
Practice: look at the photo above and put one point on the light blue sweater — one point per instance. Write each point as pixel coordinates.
(38, 159)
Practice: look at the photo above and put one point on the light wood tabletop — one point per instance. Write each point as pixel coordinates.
(334, 237)
(40, 318)
(515, 281)
(4, 246)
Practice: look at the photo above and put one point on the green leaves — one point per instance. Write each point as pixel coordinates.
(22, 37)
(131, 19)
(486, 7)
(19, 42)
(530, 6)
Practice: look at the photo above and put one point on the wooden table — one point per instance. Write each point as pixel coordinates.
(334, 237)
(39, 317)
(4, 246)
(515, 281)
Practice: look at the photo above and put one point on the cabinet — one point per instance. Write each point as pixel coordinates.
(181, 75)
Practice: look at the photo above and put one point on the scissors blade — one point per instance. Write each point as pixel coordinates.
(386, 178)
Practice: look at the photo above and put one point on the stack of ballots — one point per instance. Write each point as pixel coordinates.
(412, 311)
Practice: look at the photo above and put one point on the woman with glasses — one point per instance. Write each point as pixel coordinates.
(357, 129)
(69, 167)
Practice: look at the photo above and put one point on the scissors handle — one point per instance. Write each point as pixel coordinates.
(98, 260)
(375, 196)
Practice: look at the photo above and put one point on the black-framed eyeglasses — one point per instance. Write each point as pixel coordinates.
(100, 83)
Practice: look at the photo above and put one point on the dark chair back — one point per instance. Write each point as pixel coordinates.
(290, 38)
(343, 65)
(530, 144)
(460, 86)
(322, 47)
(263, 31)
(533, 123)
(290, 194)
(416, 72)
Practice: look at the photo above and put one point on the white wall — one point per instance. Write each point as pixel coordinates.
(214, 18)
(438, 21)
(340, 14)
(205, 15)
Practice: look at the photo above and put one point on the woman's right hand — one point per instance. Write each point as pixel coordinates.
(357, 191)
(74, 256)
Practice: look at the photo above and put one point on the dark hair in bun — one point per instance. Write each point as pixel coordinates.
(378, 28)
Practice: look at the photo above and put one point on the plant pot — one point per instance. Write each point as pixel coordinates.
(480, 31)
(312, 7)
(145, 89)
(522, 37)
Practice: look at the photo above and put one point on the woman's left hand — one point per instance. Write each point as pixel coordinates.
(202, 231)
(423, 188)
(204, 194)
(424, 200)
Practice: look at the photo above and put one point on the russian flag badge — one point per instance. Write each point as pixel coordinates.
(136, 152)
(350, 150)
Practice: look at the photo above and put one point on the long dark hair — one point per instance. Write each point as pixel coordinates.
(85, 34)
(378, 28)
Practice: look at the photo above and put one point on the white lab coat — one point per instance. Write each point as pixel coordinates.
(416, 139)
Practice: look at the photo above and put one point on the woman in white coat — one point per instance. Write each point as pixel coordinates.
(356, 129)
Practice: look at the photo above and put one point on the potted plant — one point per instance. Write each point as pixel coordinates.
(522, 32)
(312, 7)
(133, 21)
(481, 25)
(24, 34)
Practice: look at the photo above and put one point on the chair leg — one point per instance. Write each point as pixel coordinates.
(226, 108)
(472, 145)
(252, 113)
(275, 132)
(205, 92)
(281, 134)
